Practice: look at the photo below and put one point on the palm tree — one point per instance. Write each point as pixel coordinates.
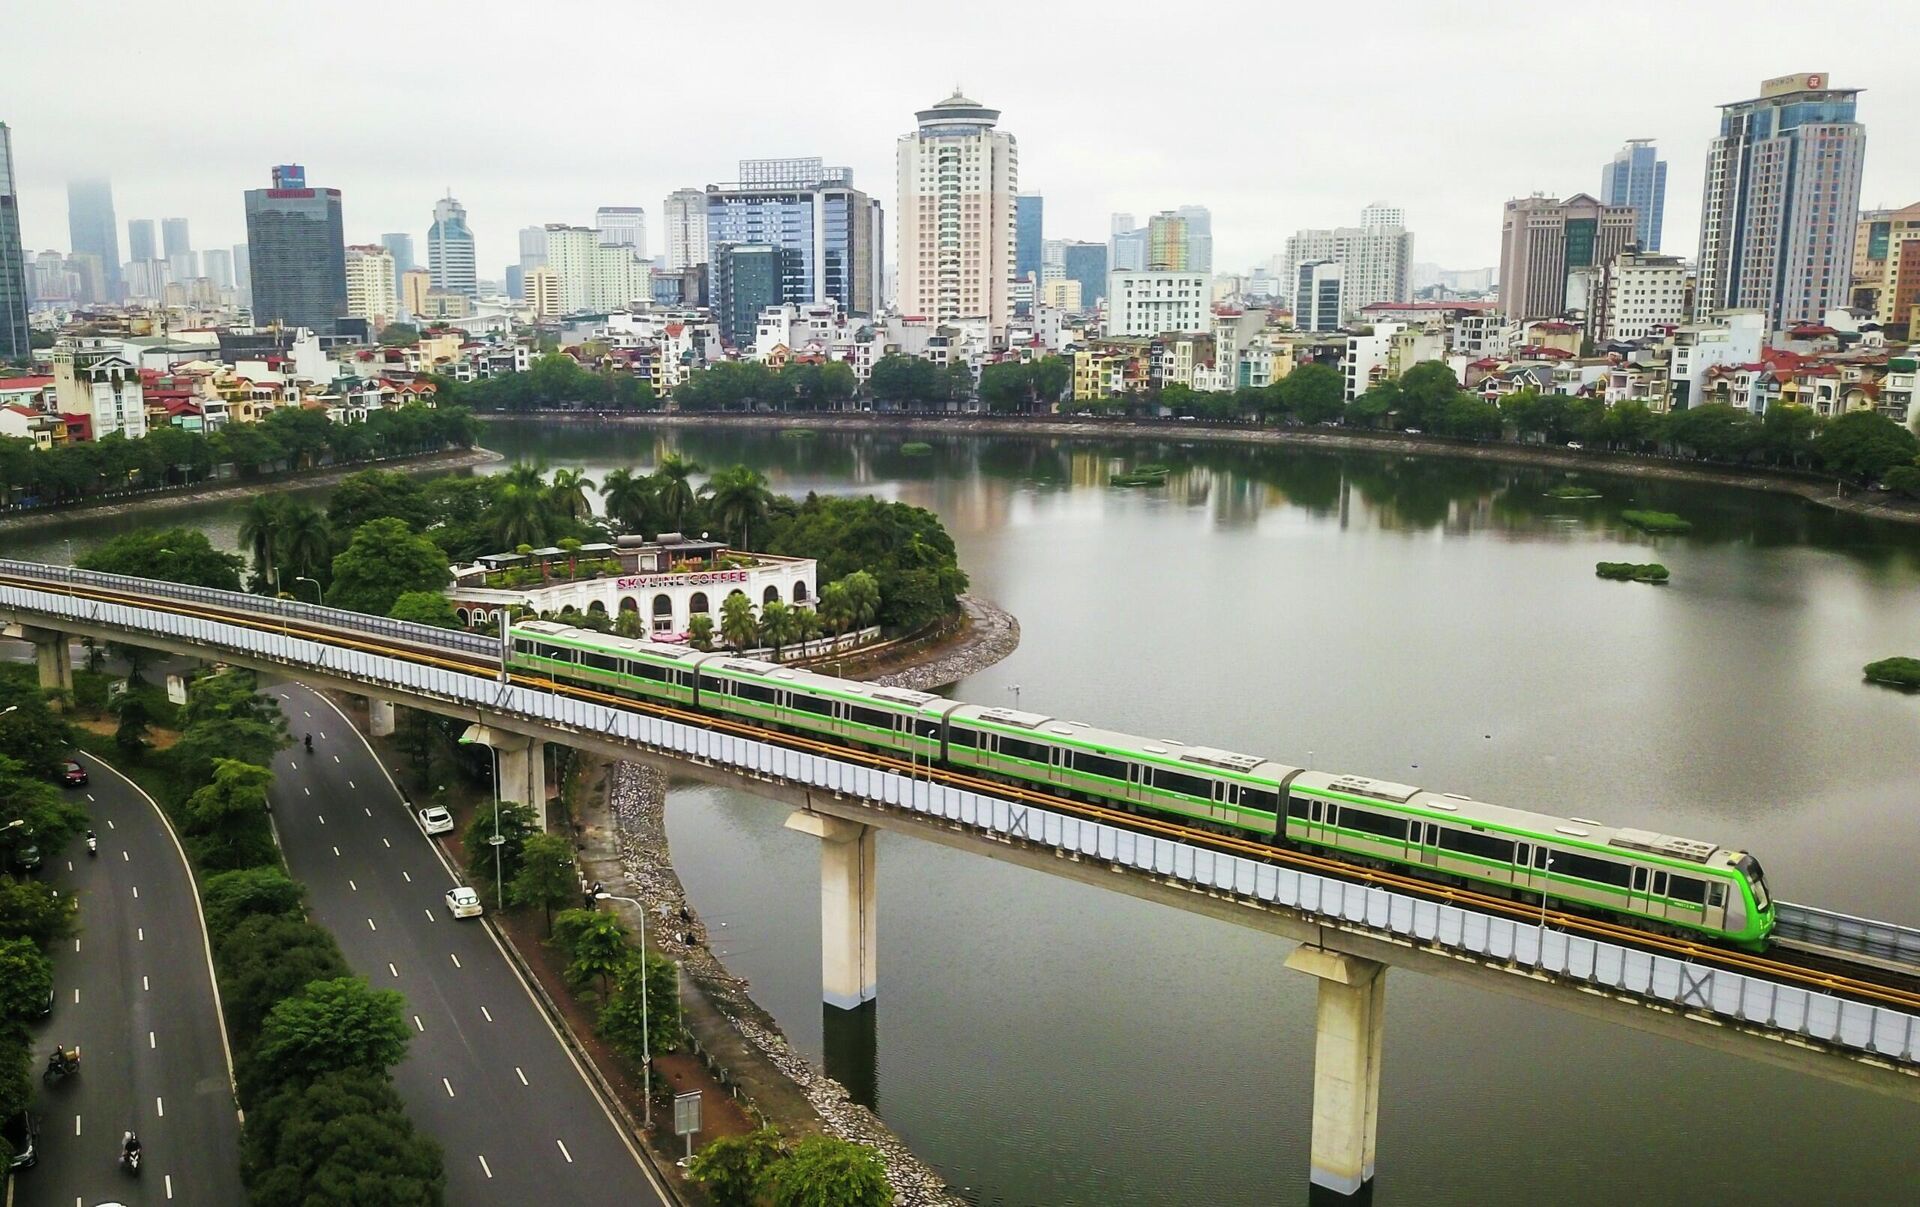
(863, 597)
(737, 624)
(806, 624)
(738, 497)
(520, 515)
(568, 494)
(631, 499)
(777, 626)
(836, 609)
(700, 631)
(526, 474)
(260, 523)
(308, 540)
(675, 491)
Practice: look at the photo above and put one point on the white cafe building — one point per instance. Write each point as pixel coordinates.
(667, 581)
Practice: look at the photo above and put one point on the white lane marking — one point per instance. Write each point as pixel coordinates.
(169, 1185)
(336, 758)
(336, 852)
(160, 1107)
(418, 1025)
(349, 783)
(140, 934)
(370, 925)
(110, 824)
(76, 1125)
(124, 858)
(449, 1085)
(485, 1014)
(563, 1149)
(89, 796)
(428, 913)
(484, 1167)
(450, 956)
(76, 997)
(392, 969)
(367, 811)
(136, 892)
(522, 1074)
(151, 1045)
(323, 736)
(403, 872)
(353, 886)
(76, 945)
(144, 987)
(70, 864)
(295, 766)
(386, 844)
(305, 713)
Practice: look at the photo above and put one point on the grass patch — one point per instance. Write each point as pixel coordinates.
(1659, 522)
(1571, 491)
(1632, 572)
(916, 448)
(798, 433)
(1903, 673)
(1151, 474)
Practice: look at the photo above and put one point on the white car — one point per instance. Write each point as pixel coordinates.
(463, 902)
(436, 820)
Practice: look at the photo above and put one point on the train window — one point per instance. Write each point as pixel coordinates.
(1484, 846)
(1317, 810)
(1099, 764)
(813, 704)
(755, 691)
(1192, 785)
(1297, 807)
(1540, 857)
(1686, 888)
(523, 647)
(966, 738)
(1259, 798)
(1717, 894)
(1393, 829)
(1659, 884)
(558, 653)
(604, 662)
(1033, 752)
(681, 678)
(869, 716)
(645, 670)
(1599, 871)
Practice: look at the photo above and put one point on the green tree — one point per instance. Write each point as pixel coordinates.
(568, 494)
(596, 946)
(260, 525)
(399, 335)
(383, 562)
(776, 626)
(1469, 418)
(1312, 393)
(738, 497)
(26, 978)
(332, 1026)
(547, 876)
(33, 909)
(675, 493)
(630, 500)
(1714, 431)
(425, 607)
(517, 824)
(176, 555)
(738, 626)
(226, 718)
(731, 1168)
(32, 733)
(522, 515)
(1375, 407)
(1863, 445)
(699, 630)
(45, 816)
(130, 735)
(264, 959)
(306, 544)
(626, 1016)
(863, 597)
(378, 494)
(228, 816)
(230, 897)
(824, 1171)
(1426, 391)
(340, 1140)
(836, 609)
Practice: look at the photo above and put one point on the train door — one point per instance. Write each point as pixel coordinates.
(1319, 817)
(1060, 763)
(1426, 837)
(1522, 856)
(1657, 895)
(1637, 891)
(1224, 795)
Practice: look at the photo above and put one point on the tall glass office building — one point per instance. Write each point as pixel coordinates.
(14, 342)
(1638, 177)
(298, 253)
(813, 211)
(93, 231)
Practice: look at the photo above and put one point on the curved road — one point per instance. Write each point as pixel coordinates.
(134, 991)
(486, 1075)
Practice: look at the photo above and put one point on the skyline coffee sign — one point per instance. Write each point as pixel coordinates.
(704, 578)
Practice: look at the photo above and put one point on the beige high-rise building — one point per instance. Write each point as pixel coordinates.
(370, 285)
(686, 219)
(543, 292)
(414, 284)
(959, 179)
(1167, 243)
(1542, 241)
(595, 275)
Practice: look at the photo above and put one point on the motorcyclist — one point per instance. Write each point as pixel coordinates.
(63, 1060)
(130, 1151)
(309, 743)
(93, 844)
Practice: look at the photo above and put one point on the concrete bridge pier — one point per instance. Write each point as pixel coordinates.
(379, 717)
(1349, 1025)
(522, 765)
(849, 943)
(53, 655)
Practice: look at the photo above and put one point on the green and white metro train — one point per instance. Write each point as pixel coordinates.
(1649, 880)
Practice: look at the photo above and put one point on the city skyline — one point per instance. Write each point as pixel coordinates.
(1415, 126)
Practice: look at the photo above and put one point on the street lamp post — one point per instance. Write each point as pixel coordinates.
(646, 1020)
(1015, 689)
(1547, 878)
(301, 578)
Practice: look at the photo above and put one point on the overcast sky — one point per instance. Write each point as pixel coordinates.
(1275, 115)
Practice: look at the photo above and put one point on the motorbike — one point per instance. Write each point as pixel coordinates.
(93, 844)
(60, 1065)
(130, 1158)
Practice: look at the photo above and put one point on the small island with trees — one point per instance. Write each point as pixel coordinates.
(1659, 523)
(1632, 572)
(1903, 673)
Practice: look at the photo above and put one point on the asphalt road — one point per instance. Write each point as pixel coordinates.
(135, 993)
(486, 1074)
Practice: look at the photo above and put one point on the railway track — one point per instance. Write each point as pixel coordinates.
(1886, 983)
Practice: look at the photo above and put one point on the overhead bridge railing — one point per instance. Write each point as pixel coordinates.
(59, 578)
(1752, 1002)
(1876, 942)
